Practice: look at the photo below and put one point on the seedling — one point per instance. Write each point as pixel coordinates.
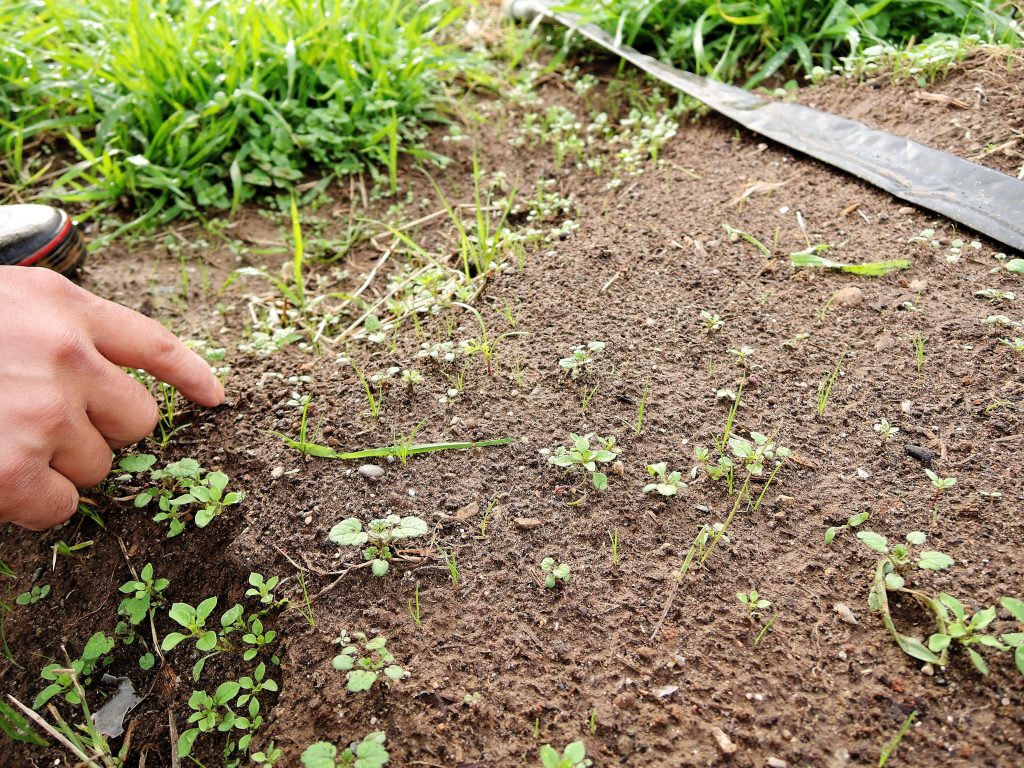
(580, 359)
(810, 258)
(165, 425)
(194, 622)
(368, 753)
(853, 522)
(34, 595)
(364, 660)
(380, 537)
(15, 727)
(667, 484)
(484, 345)
(638, 424)
(263, 588)
(892, 567)
(613, 537)
(742, 355)
(67, 679)
(919, 351)
(891, 747)
(573, 756)
(557, 573)
(211, 713)
(63, 549)
(712, 322)
(886, 430)
(753, 602)
(143, 595)
(964, 629)
(940, 483)
(453, 567)
(825, 388)
(1016, 344)
(582, 456)
(268, 756)
(414, 606)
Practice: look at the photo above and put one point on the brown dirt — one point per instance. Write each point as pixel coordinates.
(647, 258)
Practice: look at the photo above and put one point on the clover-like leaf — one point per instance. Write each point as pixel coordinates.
(320, 755)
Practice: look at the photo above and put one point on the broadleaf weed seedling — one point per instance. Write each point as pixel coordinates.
(367, 753)
(579, 362)
(885, 429)
(753, 602)
(668, 484)
(379, 538)
(484, 345)
(68, 679)
(581, 456)
(712, 322)
(852, 522)
(33, 595)
(364, 660)
(573, 756)
(556, 573)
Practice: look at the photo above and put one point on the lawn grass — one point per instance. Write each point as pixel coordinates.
(178, 107)
(755, 39)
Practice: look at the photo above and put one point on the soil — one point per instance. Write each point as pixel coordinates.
(642, 667)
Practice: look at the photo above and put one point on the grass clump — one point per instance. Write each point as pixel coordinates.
(755, 39)
(179, 107)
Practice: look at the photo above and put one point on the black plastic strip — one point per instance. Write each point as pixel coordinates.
(983, 199)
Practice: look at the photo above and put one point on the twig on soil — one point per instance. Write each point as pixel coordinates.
(614, 277)
(172, 728)
(664, 613)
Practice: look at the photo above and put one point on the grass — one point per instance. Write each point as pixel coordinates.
(186, 107)
(825, 388)
(891, 747)
(751, 40)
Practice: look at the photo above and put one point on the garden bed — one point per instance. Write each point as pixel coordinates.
(645, 668)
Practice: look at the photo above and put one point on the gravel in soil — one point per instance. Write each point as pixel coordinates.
(498, 663)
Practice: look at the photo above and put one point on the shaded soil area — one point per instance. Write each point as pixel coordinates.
(646, 669)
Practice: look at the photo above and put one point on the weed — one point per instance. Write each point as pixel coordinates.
(379, 537)
(919, 351)
(753, 602)
(557, 573)
(67, 679)
(307, 604)
(580, 359)
(484, 345)
(367, 753)
(263, 588)
(17, 728)
(573, 756)
(825, 388)
(1016, 344)
(364, 660)
(63, 549)
(613, 537)
(143, 595)
(742, 355)
(667, 484)
(712, 322)
(266, 757)
(582, 456)
(940, 483)
(737, 234)
(34, 595)
(852, 522)
(414, 606)
(5, 570)
(809, 258)
(885, 429)
(453, 567)
(765, 629)
(165, 424)
(638, 424)
(891, 747)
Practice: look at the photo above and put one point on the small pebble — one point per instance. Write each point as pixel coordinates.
(845, 613)
(724, 742)
(371, 471)
(849, 296)
(664, 691)
(276, 472)
(307, 519)
(862, 474)
(919, 286)
(776, 762)
(527, 522)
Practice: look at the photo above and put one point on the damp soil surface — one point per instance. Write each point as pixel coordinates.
(647, 669)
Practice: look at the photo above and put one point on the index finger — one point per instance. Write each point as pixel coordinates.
(129, 339)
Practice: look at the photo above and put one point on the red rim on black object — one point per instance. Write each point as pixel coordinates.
(39, 235)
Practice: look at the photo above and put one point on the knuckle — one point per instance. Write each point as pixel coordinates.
(71, 348)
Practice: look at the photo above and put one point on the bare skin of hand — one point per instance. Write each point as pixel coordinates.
(65, 402)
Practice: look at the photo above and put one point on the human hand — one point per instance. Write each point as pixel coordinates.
(65, 403)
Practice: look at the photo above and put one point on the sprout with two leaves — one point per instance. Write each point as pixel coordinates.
(379, 537)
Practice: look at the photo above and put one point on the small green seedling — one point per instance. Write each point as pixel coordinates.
(919, 342)
(1016, 344)
(263, 588)
(712, 322)
(753, 602)
(965, 630)
(380, 537)
(1015, 639)
(581, 455)
(825, 387)
(573, 756)
(742, 354)
(557, 573)
(368, 753)
(613, 537)
(940, 483)
(268, 756)
(63, 549)
(853, 522)
(34, 595)
(143, 595)
(364, 660)
(885, 429)
(194, 622)
(581, 358)
(211, 713)
(68, 679)
(667, 485)
(809, 258)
